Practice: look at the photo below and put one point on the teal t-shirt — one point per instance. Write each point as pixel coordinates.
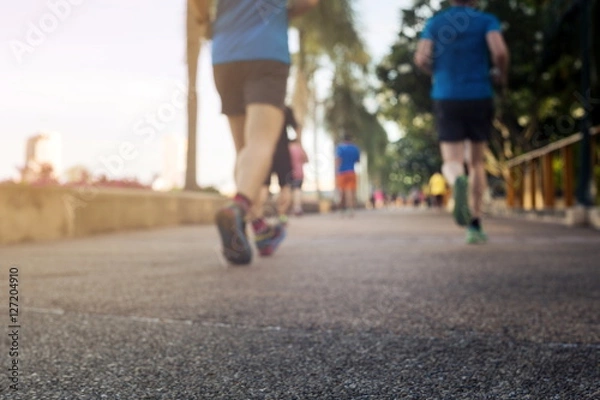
(461, 59)
(249, 30)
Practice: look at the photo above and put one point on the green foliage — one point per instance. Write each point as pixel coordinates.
(331, 30)
(411, 162)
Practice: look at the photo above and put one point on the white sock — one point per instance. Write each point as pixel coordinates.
(452, 170)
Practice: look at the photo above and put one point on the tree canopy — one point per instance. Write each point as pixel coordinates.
(329, 39)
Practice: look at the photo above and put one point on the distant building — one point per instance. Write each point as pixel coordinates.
(43, 157)
(172, 175)
(78, 174)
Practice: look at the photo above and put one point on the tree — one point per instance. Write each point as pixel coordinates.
(197, 16)
(326, 34)
(329, 39)
(415, 157)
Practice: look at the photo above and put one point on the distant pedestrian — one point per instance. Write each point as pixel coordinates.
(437, 189)
(415, 197)
(455, 48)
(299, 158)
(282, 167)
(347, 155)
(251, 63)
(378, 198)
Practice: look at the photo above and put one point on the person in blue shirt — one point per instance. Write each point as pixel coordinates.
(251, 62)
(455, 48)
(347, 154)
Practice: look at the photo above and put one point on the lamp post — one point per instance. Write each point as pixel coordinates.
(315, 120)
(584, 196)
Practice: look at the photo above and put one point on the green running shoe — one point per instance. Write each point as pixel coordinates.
(476, 236)
(461, 213)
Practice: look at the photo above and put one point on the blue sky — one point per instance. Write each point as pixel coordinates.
(101, 74)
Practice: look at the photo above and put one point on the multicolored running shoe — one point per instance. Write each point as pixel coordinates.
(268, 241)
(232, 228)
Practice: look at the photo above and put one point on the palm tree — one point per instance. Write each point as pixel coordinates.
(328, 31)
(329, 37)
(196, 18)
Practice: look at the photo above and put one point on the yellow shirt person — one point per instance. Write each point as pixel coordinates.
(437, 185)
(437, 190)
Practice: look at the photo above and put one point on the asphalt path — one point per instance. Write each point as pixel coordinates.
(385, 305)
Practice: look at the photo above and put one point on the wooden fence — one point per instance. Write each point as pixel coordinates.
(530, 180)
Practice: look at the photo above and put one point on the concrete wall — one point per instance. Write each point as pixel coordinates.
(47, 213)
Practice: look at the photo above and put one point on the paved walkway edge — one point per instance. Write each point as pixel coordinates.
(574, 216)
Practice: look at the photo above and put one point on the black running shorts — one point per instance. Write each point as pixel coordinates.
(459, 120)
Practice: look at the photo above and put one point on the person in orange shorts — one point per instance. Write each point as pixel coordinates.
(347, 155)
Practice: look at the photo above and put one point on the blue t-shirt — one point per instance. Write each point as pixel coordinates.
(461, 59)
(349, 155)
(248, 30)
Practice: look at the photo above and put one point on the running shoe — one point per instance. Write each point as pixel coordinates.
(476, 235)
(232, 228)
(268, 241)
(283, 219)
(461, 213)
